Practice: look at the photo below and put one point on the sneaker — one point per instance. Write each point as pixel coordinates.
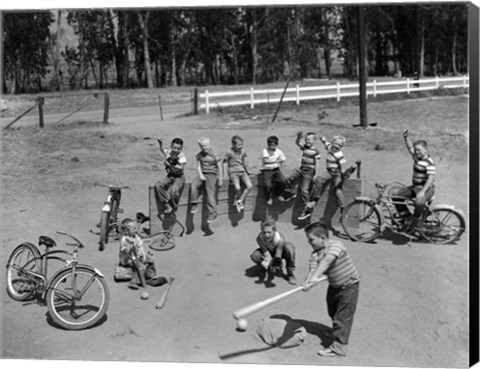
(270, 275)
(211, 218)
(327, 352)
(168, 209)
(239, 206)
(291, 279)
(133, 286)
(193, 209)
(269, 202)
(305, 214)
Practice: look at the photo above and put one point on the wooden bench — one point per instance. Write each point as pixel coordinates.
(256, 208)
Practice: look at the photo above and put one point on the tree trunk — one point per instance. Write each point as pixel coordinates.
(126, 61)
(143, 22)
(116, 38)
(56, 57)
(173, 61)
(421, 56)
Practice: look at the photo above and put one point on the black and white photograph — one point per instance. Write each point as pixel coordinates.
(269, 183)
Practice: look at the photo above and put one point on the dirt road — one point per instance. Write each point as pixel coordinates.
(413, 307)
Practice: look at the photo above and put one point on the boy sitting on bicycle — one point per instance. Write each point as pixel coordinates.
(168, 190)
(132, 255)
(423, 183)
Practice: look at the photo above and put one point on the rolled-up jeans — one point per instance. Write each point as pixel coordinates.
(210, 186)
(168, 189)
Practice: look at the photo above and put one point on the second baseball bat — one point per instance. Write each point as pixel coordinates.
(250, 309)
(163, 298)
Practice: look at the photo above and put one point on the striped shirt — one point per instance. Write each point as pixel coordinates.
(422, 168)
(341, 272)
(310, 155)
(235, 161)
(208, 161)
(334, 159)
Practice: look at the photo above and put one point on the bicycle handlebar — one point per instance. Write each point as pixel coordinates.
(80, 245)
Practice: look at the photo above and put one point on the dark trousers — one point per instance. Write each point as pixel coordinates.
(288, 253)
(411, 193)
(168, 189)
(273, 182)
(321, 183)
(305, 176)
(341, 305)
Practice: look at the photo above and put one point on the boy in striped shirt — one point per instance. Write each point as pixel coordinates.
(423, 183)
(331, 258)
(309, 165)
(335, 171)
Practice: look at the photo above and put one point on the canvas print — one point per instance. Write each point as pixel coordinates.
(249, 184)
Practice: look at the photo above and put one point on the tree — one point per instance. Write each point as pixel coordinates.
(143, 22)
(25, 62)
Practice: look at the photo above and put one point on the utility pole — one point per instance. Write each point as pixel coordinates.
(362, 73)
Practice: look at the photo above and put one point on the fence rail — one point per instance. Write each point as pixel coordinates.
(337, 91)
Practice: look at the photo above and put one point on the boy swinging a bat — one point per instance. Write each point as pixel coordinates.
(331, 258)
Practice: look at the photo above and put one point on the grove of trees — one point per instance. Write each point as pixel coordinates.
(160, 47)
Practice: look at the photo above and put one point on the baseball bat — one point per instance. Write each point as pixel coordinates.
(163, 298)
(250, 309)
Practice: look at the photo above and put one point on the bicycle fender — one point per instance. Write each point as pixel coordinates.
(89, 267)
(446, 206)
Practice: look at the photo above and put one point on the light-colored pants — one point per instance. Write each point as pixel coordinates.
(411, 193)
(210, 187)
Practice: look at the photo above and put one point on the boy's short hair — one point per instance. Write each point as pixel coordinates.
(421, 143)
(272, 139)
(318, 229)
(340, 140)
(269, 222)
(127, 223)
(177, 141)
(236, 139)
(310, 134)
(204, 140)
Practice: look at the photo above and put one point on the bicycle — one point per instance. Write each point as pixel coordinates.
(365, 219)
(162, 240)
(109, 214)
(76, 295)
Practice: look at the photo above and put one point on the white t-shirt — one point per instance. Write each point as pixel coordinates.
(271, 157)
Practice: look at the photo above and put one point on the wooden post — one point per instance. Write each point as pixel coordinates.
(106, 105)
(207, 103)
(359, 167)
(160, 104)
(195, 101)
(281, 99)
(40, 102)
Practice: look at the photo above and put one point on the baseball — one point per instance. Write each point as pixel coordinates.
(144, 296)
(242, 325)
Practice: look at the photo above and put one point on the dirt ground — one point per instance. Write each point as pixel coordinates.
(413, 306)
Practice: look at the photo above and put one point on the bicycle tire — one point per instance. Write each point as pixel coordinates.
(443, 225)
(114, 211)
(104, 226)
(361, 221)
(72, 314)
(23, 288)
(163, 242)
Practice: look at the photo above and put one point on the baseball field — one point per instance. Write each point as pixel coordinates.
(414, 296)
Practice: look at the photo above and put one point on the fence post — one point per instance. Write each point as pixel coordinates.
(207, 107)
(298, 95)
(160, 104)
(40, 102)
(338, 91)
(195, 101)
(408, 85)
(252, 103)
(464, 81)
(374, 88)
(437, 81)
(106, 107)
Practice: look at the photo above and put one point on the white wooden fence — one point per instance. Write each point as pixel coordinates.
(254, 97)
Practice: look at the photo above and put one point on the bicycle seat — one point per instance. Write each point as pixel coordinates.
(47, 241)
(142, 218)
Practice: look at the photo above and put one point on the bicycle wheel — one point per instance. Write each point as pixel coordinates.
(162, 242)
(104, 225)
(361, 221)
(77, 313)
(25, 257)
(443, 225)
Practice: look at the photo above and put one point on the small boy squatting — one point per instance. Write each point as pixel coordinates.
(271, 251)
(331, 258)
